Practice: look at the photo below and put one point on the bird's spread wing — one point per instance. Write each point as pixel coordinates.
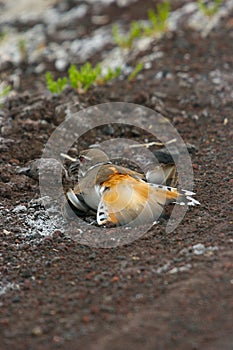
(129, 200)
(172, 194)
(121, 196)
(76, 200)
(165, 174)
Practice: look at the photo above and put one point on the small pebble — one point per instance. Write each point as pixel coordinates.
(19, 209)
(6, 232)
(61, 64)
(37, 331)
(86, 319)
(115, 279)
(5, 190)
(199, 249)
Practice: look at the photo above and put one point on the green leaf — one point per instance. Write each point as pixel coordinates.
(111, 74)
(209, 9)
(127, 40)
(136, 70)
(3, 93)
(55, 86)
(85, 77)
(157, 21)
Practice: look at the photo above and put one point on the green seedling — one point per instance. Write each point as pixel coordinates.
(157, 24)
(84, 78)
(22, 48)
(3, 34)
(81, 79)
(209, 10)
(55, 86)
(158, 21)
(87, 76)
(4, 91)
(136, 70)
(127, 40)
(111, 74)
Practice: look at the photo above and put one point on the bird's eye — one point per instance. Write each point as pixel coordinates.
(82, 159)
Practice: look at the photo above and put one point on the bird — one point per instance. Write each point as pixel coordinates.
(120, 196)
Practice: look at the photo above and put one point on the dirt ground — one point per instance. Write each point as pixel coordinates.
(163, 291)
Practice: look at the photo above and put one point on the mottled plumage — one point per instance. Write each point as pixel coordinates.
(121, 196)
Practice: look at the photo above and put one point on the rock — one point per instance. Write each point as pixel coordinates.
(5, 190)
(37, 331)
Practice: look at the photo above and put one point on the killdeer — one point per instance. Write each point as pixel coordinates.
(119, 195)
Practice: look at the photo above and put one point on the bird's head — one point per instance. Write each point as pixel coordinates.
(90, 158)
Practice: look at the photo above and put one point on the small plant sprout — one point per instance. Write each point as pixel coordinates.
(209, 9)
(81, 79)
(110, 75)
(136, 70)
(157, 24)
(4, 92)
(158, 21)
(84, 78)
(55, 86)
(3, 34)
(22, 48)
(127, 40)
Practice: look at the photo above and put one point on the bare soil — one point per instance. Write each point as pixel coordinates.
(162, 291)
